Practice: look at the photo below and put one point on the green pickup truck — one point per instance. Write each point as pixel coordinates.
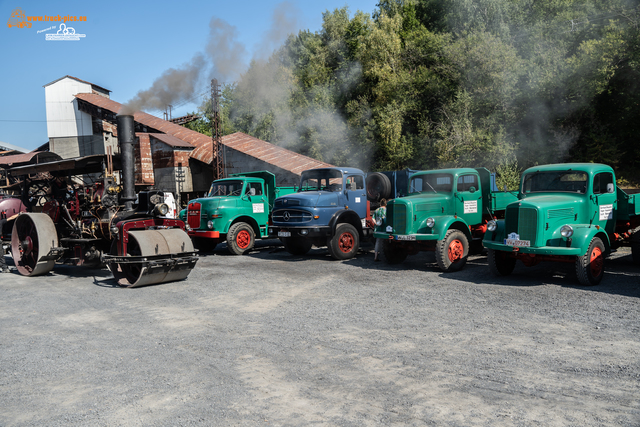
(446, 211)
(566, 212)
(236, 209)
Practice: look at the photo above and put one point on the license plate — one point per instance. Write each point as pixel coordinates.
(284, 234)
(406, 238)
(514, 242)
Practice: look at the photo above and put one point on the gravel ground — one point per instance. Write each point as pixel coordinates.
(273, 339)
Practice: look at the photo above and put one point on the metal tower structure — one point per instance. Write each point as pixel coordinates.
(216, 131)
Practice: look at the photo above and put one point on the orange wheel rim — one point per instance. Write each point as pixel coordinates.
(346, 242)
(243, 239)
(456, 250)
(596, 262)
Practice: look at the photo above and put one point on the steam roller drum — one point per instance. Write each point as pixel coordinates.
(158, 264)
(32, 240)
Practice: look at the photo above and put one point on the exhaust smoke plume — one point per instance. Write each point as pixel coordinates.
(224, 58)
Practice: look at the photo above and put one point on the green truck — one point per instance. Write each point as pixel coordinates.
(566, 212)
(446, 211)
(236, 209)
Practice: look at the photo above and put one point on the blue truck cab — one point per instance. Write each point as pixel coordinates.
(329, 209)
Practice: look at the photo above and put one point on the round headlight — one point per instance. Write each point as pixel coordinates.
(187, 226)
(492, 225)
(162, 208)
(114, 230)
(210, 224)
(566, 231)
(431, 222)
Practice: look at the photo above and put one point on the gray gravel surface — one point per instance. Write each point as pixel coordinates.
(274, 339)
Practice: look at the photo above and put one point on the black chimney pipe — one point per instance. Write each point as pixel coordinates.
(126, 139)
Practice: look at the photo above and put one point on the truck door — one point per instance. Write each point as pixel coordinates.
(259, 206)
(605, 201)
(468, 199)
(356, 195)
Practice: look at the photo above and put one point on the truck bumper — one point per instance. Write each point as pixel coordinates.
(206, 234)
(538, 250)
(406, 237)
(306, 232)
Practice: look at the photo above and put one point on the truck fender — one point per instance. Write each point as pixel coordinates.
(498, 235)
(252, 222)
(444, 223)
(582, 237)
(345, 215)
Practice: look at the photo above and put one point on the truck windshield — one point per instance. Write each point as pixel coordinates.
(431, 183)
(321, 180)
(226, 188)
(557, 181)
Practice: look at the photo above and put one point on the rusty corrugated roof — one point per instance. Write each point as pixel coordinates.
(254, 147)
(33, 157)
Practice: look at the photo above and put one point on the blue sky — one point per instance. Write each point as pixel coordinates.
(127, 46)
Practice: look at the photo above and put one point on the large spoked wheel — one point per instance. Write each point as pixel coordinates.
(345, 243)
(392, 253)
(590, 266)
(33, 237)
(500, 263)
(240, 238)
(296, 245)
(452, 251)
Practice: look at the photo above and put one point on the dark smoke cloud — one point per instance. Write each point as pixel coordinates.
(224, 58)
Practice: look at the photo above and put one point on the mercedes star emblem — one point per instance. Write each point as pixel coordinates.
(286, 215)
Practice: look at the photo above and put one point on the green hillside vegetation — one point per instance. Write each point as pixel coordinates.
(438, 83)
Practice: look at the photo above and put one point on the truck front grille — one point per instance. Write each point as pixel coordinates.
(291, 216)
(193, 215)
(397, 216)
(523, 221)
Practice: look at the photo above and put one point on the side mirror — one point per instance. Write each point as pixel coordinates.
(472, 189)
(610, 188)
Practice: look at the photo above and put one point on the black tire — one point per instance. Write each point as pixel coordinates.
(590, 266)
(500, 263)
(452, 251)
(240, 238)
(392, 253)
(345, 242)
(378, 187)
(635, 248)
(296, 245)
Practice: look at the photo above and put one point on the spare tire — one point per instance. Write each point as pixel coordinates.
(378, 187)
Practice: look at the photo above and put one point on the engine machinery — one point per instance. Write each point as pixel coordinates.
(98, 224)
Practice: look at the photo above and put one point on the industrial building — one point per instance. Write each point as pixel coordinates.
(81, 120)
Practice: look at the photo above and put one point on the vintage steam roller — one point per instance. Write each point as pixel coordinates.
(98, 224)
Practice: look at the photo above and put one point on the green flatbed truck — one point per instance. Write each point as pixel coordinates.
(446, 211)
(236, 210)
(566, 212)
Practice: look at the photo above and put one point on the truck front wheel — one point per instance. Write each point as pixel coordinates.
(240, 238)
(296, 245)
(452, 251)
(500, 263)
(590, 266)
(345, 242)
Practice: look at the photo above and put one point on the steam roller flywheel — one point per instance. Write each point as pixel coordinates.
(34, 236)
(155, 258)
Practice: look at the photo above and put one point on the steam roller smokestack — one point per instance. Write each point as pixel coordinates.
(126, 139)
